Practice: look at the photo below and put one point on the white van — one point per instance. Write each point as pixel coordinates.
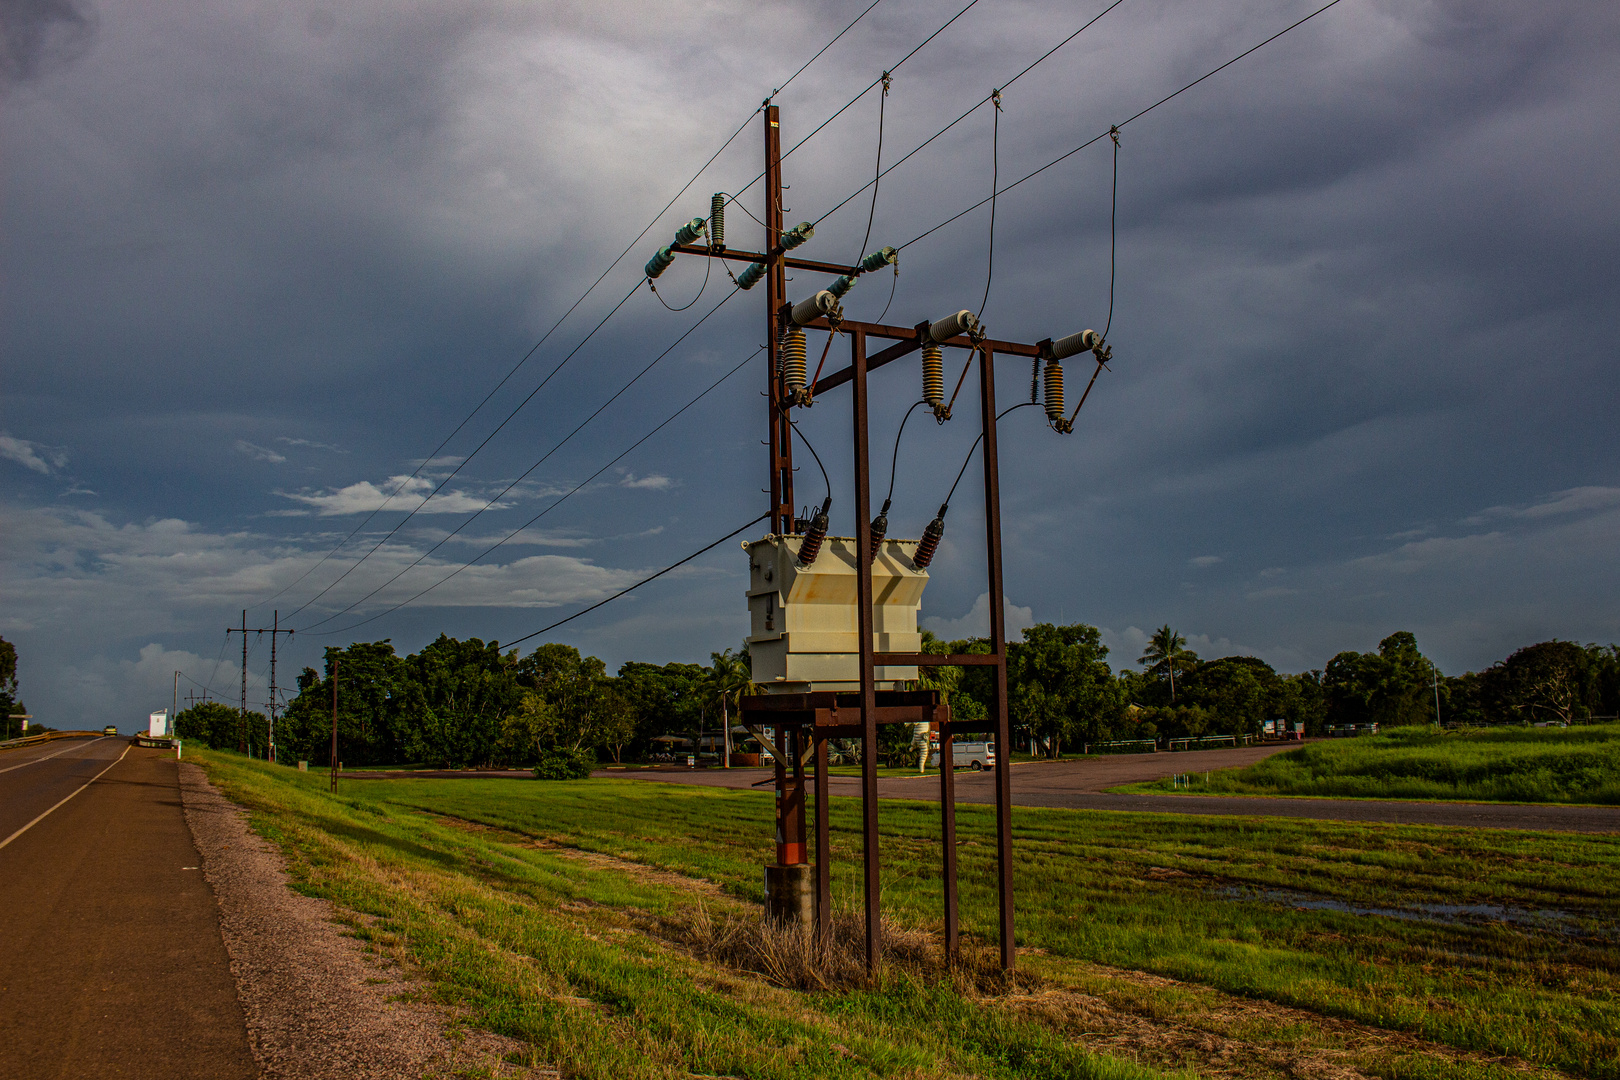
(972, 755)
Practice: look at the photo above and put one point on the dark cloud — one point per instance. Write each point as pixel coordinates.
(39, 36)
(1365, 307)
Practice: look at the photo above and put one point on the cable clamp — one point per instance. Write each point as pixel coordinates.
(1113, 133)
(995, 96)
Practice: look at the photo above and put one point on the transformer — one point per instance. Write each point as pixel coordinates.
(803, 629)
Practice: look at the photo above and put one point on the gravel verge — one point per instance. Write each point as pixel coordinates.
(318, 1006)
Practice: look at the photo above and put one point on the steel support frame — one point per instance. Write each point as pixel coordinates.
(906, 340)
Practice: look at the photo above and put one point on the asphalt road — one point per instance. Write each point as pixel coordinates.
(111, 960)
(1080, 785)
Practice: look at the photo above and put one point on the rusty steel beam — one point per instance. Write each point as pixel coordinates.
(823, 844)
(901, 659)
(998, 645)
(947, 838)
(754, 256)
(863, 629)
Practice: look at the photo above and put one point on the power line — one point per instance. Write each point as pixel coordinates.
(865, 90)
(582, 297)
(625, 453)
(976, 106)
(557, 446)
(469, 457)
(639, 584)
(1115, 128)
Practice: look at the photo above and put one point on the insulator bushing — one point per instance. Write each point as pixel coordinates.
(1075, 344)
(1054, 391)
(963, 322)
(659, 262)
(717, 219)
(689, 232)
(933, 371)
(930, 541)
(797, 235)
(823, 303)
(815, 535)
(880, 529)
(841, 285)
(879, 259)
(750, 275)
(793, 359)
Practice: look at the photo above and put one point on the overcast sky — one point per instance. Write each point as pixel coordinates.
(260, 259)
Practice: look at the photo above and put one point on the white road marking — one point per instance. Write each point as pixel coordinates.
(48, 757)
(58, 806)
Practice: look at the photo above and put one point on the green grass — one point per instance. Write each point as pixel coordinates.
(1534, 765)
(509, 930)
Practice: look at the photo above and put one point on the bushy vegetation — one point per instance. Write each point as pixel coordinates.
(468, 703)
(1563, 765)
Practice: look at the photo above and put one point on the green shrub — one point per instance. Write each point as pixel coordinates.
(564, 764)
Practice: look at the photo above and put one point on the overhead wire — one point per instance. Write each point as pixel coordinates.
(625, 453)
(975, 108)
(871, 215)
(572, 307)
(708, 264)
(462, 464)
(826, 482)
(525, 474)
(864, 91)
(639, 584)
(976, 441)
(1114, 129)
(894, 462)
(995, 178)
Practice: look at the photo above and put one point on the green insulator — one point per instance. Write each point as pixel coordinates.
(717, 220)
(797, 235)
(689, 232)
(841, 285)
(751, 275)
(879, 259)
(659, 262)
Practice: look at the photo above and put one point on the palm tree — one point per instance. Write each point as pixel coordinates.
(729, 680)
(1166, 649)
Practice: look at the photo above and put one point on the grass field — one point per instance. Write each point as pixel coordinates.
(1554, 765)
(561, 914)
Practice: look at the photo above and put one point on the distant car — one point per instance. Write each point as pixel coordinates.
(110, 729)
(973, 755)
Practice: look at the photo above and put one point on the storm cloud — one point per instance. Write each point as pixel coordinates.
(1364, 307)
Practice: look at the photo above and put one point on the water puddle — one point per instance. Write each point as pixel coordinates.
(1565, 923)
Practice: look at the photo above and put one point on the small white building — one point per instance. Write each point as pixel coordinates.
(157, 725)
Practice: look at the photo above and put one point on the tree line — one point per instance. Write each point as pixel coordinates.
(466, 702)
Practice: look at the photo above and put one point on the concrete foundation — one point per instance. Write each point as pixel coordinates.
(790, 894)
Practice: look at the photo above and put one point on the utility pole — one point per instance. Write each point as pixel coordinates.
(274, 630)
(174, 705)
(335, 663)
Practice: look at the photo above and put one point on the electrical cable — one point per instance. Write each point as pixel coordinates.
(978, 439)
(555, 447)
(1117, 127)
(893, 284)
(462, 464)
(1113, 209)
(639, 584)
(995, 178)
(894, 463)
(866, 90)
(625, 453)
(812, 449)
(708, 264)
(871, 214)
(976, 106)
(590, 289)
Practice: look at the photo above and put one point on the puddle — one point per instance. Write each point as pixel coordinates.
(1552, 920)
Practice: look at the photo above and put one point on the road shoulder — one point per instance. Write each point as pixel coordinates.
(318, 1005)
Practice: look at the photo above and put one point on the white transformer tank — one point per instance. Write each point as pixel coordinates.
(803, 633)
